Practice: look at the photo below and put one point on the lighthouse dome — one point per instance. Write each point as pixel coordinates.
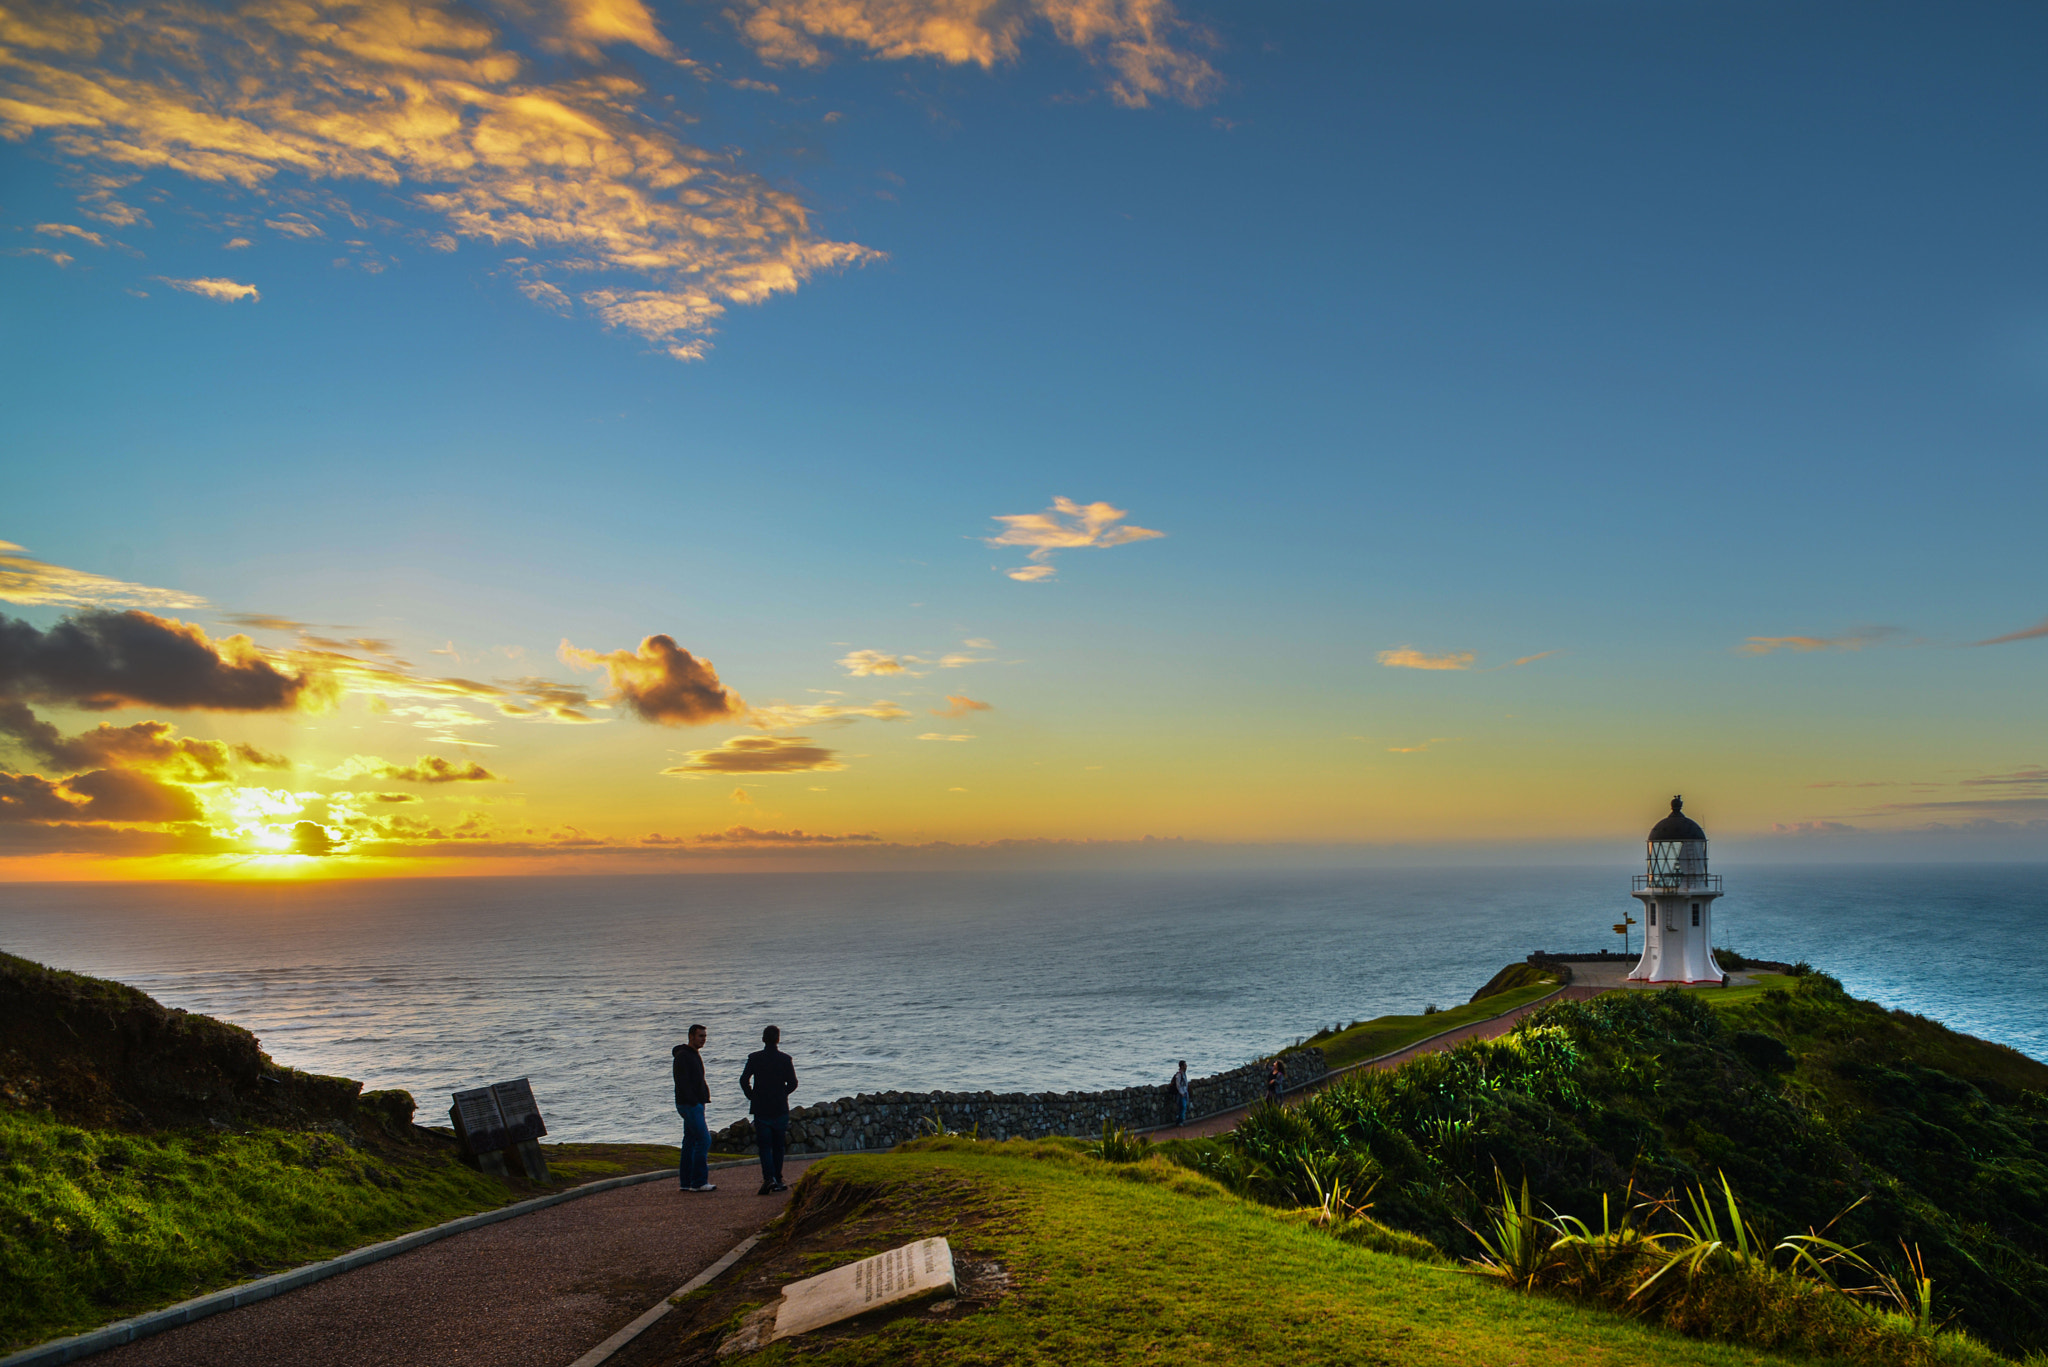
(1677, 826)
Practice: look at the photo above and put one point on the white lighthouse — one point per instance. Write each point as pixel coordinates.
(1678, 905)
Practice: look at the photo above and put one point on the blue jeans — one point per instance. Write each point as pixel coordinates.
(696, 1166)
(771, 1140)
(1183, 1108)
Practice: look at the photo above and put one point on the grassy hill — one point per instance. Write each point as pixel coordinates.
(1069, 1259)
(1823, 1112)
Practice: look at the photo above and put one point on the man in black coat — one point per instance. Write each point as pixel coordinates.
(691, 1094)
(769, 1079)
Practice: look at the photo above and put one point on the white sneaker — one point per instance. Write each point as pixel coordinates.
(708, 1186)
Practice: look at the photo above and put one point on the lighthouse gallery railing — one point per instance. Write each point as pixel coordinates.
(1680, 882)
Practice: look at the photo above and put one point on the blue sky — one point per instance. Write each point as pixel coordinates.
(1616, 335)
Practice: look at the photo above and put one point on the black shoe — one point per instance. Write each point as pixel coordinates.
(777, 1186)
(765, 1189)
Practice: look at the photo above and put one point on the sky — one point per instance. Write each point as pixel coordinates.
(614, 435)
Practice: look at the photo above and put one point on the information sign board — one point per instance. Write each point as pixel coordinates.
(478, 1121)
(522, 1116)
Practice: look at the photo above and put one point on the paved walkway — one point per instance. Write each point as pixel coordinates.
(1225, 1121)
(540, 1290)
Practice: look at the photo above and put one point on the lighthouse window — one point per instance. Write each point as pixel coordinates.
(1695, 913)
(1653, 913)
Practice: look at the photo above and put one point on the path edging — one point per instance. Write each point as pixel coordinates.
(77, 1346)
(1338, 1072)
(605, 1350)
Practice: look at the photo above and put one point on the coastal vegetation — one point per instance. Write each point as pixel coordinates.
(1923, 1149)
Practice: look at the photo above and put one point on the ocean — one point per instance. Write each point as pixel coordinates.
(957, 981)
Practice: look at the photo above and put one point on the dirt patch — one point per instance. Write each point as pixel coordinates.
(831, 1222)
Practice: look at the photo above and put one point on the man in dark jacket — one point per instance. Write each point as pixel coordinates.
(768, 1080)
(691, 1094)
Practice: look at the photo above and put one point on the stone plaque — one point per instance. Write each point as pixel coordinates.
(924, 1268)
(478, 1121)
(522, 1116)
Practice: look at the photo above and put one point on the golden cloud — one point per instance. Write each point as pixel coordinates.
(426, 769)
(1066, 525)
(1408, 657)
(69, 230)
(213, 287)
(759, 755)
(150, 746)
(662, 682)
(862, 663)
(1143, 43)
(577, 168)
(26, 580)
(960, 705)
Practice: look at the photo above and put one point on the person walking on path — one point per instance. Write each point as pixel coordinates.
(1180, 1091)
(1276, 1080)
(768, 1080)
(694, 1172)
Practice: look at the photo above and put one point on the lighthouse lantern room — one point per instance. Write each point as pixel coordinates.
(1678, 896)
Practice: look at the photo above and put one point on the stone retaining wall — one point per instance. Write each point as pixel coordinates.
(885, 1119)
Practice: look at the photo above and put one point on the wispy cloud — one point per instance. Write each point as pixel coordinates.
(782, 716)
(426, 769)
(936, 735)
(1853, 640)
(1532, 659)
(1146, 47)
(1408, 657)
(758, 755)
(960, 705)
(662, 682)
(24, 579)
(70, 230)
(572, 164)
(2031, 777)
(1065, 526)
(2032, 633)
(1418, 749)
(747, 835)
(213, 287)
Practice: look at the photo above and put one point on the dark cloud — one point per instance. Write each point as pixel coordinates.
(146, 745)
(662, 682)
(310, 837)
(759, 755)
(102, 660)
(102, 795)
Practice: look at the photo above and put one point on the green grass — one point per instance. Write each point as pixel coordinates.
(97, 1225)
(1147, 1262)
(1385, 1034)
